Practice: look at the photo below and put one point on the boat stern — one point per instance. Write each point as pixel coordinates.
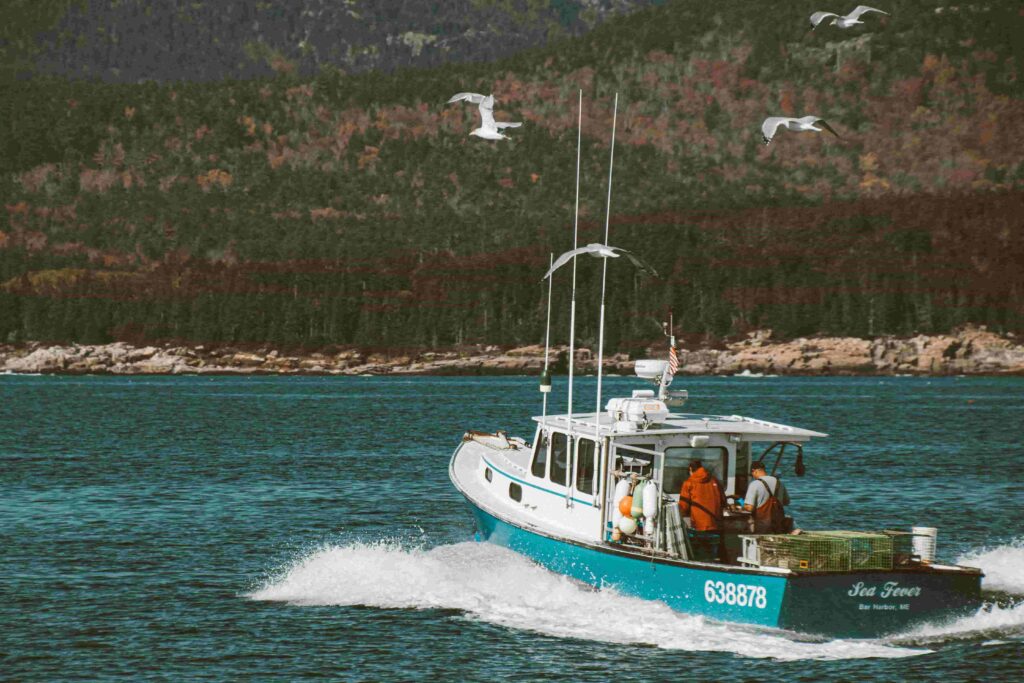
(868, 604)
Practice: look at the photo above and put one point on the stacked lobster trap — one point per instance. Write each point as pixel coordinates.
(830, 551)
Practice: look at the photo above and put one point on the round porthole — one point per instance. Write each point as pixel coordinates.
(515, 492)
(488, 475)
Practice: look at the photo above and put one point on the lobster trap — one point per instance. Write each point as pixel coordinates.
(902, 547)
(820, 551)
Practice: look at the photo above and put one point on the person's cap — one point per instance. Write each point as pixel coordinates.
(757, 466)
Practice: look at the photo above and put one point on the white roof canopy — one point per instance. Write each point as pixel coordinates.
(747, 428)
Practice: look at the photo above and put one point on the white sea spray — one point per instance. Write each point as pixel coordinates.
(497, 586)
(1003, 566)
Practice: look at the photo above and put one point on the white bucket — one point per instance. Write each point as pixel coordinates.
(924, 542)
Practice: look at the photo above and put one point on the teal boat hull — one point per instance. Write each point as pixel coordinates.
(847, 604)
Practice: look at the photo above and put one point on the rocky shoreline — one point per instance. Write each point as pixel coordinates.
(969, 351)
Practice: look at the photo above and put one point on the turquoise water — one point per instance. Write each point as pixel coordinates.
(291, 528)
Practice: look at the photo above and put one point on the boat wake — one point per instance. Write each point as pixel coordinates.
(1002, 615)
(993, 620)
(497, 586)
(1001, 566)
(491, 584)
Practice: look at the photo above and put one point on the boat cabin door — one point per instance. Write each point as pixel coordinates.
(586, 482)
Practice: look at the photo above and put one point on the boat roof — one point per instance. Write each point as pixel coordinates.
(747, 428)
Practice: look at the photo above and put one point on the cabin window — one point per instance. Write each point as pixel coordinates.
(636, 462)
(487, 474)
(515, 491)
(677, 465)
(561, 458)
(742, 468)
(585, 459)
(539, 468)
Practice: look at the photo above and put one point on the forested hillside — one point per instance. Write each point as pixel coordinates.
(355, 209)
(127, 41)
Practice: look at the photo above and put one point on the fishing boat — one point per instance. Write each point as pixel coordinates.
(595, 496)
(557, 501)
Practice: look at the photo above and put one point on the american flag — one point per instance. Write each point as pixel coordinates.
(673, 359)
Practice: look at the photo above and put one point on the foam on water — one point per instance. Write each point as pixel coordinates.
(1002, 617)
(1002, 567)
(990, 620)
(495, 585)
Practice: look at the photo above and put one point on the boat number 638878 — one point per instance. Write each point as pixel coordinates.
(729, 593)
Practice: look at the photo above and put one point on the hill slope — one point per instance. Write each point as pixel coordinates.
(355, 209)
(128, 41)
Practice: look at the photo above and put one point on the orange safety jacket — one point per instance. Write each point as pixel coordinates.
(701, 499)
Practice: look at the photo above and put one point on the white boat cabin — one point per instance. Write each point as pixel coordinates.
(564, 483)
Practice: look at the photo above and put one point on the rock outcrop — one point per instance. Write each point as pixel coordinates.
(969, 351)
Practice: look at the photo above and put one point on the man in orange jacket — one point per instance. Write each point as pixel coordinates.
(702, 500)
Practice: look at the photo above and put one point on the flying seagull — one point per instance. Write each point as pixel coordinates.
(489, 128)
(600, 251)
(772, 124)
(843, 22)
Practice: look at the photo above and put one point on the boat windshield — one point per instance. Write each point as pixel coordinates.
(677, 463)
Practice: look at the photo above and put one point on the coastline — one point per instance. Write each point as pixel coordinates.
(968, 351)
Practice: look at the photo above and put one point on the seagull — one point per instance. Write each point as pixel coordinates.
(489, 128)
(772, 123)
(600, 251)
(844, 22)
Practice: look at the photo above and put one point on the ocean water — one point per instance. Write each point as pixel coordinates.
(198, 528)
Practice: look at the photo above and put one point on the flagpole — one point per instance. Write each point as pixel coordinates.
(673, 360)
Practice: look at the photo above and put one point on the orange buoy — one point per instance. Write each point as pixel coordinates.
(626, 505)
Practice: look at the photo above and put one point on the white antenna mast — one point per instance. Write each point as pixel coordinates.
(575, 238)
(545, 376)
(604, 272)
(572, 306)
